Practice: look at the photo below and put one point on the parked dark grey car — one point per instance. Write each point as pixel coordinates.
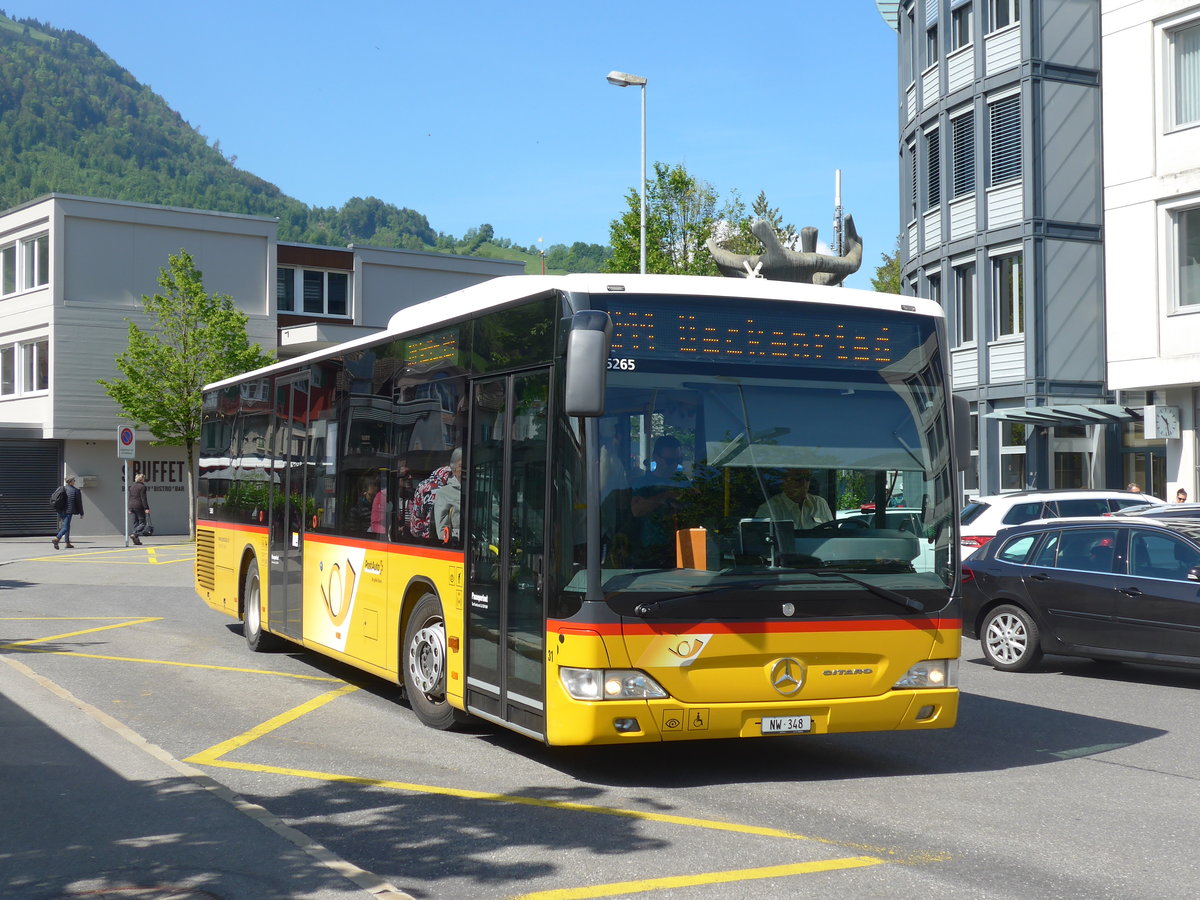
(1109, 588)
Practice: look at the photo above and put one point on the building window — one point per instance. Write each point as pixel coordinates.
(971, 473)
(36, 257)
(963, 164)
(934, 290)
(931, 46)
(911, 44)
(35, 360)
(1187, 250)
(1009, 295)
(964, 303)
(1185, 62)
(1005, 121)
(912, 198)
(933, 162)
(25, 367)
(1012, 456)
(322, 293)
(25, 264)
(285, 290)
(8, 371)
(1002, 13)
(8, 269)
(960, 24)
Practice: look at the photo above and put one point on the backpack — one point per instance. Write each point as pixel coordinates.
(58, 500)
(420, 507)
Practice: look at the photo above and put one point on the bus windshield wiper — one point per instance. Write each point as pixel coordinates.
(647, 608)
(887, 594)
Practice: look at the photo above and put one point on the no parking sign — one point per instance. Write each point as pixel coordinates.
(126, 443)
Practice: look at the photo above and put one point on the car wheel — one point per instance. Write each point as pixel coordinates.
(258, 640)
(424, 665)
(1010, 639)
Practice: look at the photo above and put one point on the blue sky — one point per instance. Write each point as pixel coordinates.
(476, 112)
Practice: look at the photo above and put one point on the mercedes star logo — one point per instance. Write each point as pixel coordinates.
(787, 676)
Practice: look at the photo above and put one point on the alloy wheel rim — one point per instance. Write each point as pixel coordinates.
(427, 658)
(1007, 639)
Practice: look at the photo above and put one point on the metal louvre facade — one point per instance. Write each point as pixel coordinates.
(29, 473)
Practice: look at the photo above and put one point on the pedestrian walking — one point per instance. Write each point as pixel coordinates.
(70, 505)
(139, 508)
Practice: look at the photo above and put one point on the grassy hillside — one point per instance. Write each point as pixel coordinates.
(74, 121)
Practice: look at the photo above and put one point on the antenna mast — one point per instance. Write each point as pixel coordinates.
(837, 213)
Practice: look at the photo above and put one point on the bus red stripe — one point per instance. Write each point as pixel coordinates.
(231, 526)
(710, 627)
(334, 540)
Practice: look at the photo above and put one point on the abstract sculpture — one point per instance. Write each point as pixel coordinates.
(778, 263)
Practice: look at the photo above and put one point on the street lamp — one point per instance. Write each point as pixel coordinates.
(624, 79)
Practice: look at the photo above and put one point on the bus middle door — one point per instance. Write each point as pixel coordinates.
(286, 597)
(506, 542)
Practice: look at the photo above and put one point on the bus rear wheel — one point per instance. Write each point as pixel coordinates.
(258, 640)
(424, 664)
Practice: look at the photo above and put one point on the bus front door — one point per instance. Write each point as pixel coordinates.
(506, 546)
(286, 598)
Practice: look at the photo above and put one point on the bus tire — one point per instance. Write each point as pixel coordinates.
(257, 639)
(1010, 639)
(423, 661)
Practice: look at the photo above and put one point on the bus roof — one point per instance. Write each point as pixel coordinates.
(507, 289)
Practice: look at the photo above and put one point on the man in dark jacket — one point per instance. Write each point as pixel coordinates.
(138, 506)
(72, 507)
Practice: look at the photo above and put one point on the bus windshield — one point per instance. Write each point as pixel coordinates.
(775, 476)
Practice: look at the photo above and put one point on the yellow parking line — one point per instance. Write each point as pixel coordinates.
(212, 757)
(681, 881)
(176, 663)
(97, 557)
(882, 856)
(26, 646)
(58, 637)
(212, 754)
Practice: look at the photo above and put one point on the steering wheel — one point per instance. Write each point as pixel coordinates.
(839, 524)
(853, 523)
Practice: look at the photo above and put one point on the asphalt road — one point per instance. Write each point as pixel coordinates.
(1078, 780)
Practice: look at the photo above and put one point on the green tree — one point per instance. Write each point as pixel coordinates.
(197, 338)
(681, 212)
(740, 239)
(887, 273)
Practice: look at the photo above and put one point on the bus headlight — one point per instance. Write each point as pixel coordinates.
(933, 673)
(609, 684)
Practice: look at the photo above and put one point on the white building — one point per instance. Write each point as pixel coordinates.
(1151, 116)
(73, 271)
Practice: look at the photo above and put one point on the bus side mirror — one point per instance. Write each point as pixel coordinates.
(961, 421)
(587, 361)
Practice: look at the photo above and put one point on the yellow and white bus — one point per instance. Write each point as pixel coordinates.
(603, 508)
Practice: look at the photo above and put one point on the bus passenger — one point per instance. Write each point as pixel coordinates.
(379, 507)
(447, 502)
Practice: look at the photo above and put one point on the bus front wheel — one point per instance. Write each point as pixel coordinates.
(424, 664)
(252, 630)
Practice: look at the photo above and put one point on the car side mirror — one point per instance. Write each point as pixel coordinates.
(1194, 573)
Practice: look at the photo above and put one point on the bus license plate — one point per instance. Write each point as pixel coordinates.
(786, 724)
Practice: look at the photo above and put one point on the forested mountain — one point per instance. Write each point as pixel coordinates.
(73, 121)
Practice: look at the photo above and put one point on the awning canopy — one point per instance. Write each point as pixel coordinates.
(1074, 414)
